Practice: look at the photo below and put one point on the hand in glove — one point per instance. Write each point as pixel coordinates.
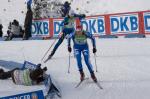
(69, 49)
(94, 50)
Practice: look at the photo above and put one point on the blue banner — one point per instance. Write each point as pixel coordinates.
(95, 25)
(40, 28)
(109, 24)
(57, 28)
(127, 23)
(29, 65)
(31, 95)
(147, 22)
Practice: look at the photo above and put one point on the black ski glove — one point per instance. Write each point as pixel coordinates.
(69, 49)
(94, 50)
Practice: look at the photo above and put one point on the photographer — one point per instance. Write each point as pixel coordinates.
(14, 30)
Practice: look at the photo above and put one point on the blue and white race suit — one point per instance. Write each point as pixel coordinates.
(68, 27)
(81, 46)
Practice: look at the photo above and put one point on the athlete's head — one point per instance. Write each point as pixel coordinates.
(79, 30)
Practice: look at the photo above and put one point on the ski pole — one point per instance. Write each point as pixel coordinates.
(48, 49)
(95, 62)
(69, 64)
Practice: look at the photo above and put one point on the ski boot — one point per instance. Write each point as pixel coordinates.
(82, 76)
(52, 53)
(50, 56)
(93, 77)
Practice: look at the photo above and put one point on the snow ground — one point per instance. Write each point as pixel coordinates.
(123, 68)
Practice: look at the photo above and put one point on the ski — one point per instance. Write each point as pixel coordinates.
(52, 94)
(51, 89)
(81, 82)
(98, 85)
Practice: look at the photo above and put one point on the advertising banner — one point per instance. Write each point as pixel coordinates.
(40, 28)
(109, 24)
(56, 27)
(124, 24)
(95, 25)
(31, 95)
(147, 22)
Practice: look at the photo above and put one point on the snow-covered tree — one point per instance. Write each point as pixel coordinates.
(46, 8)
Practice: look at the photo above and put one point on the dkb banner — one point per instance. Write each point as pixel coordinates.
(109, 24)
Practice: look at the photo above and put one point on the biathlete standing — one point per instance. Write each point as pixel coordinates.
(79, 38)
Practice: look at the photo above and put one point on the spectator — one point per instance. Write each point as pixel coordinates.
(65, 8)
(14, 30)
(1, 31)
(28, 23)
(29, 2)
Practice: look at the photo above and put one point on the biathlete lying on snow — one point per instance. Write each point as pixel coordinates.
(26, 77)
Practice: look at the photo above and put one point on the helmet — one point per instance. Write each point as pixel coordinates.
(79, 28)
(67, 3)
